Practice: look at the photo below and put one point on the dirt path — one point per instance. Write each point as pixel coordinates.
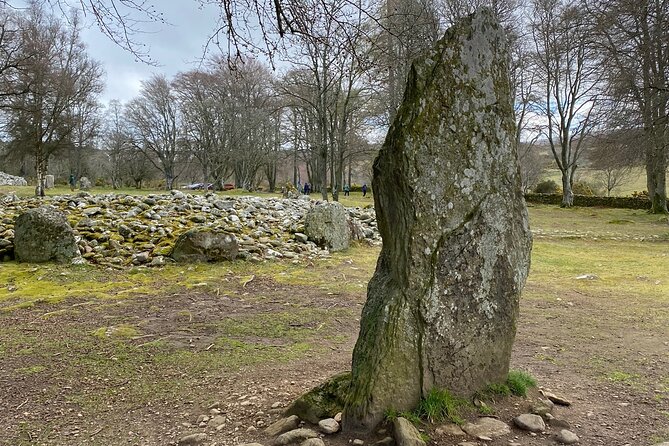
(142, 370)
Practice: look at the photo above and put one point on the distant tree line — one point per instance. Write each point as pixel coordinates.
(590, 80)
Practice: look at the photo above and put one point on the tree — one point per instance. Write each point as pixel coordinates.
(569, 74)
(115, 142)
(614, 155)
(634, 38)
(58, 76)
(155, 122)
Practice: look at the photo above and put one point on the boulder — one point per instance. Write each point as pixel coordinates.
(326, 225)
(205, 245)
(43, 234)
(442, 304)
(85, 183)
(49, 181)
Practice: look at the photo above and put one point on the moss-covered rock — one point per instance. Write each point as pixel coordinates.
(324, 401)
(42, 235)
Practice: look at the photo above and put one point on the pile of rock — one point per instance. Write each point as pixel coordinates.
(11, 180)
(119, 229)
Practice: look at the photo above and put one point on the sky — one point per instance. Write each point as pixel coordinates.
(174, 47)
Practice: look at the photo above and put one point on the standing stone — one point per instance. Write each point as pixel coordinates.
(85, 183)
(49, 181)
(43, 234)
(326, 225)
(442, 305)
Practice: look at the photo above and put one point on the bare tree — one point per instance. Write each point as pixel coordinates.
(155, 122)
(115, 142)
(634, 37)
(58, 76)
(569, 75)
(614, 155)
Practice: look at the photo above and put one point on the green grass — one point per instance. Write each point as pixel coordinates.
(520, 382)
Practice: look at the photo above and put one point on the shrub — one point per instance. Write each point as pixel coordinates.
(584, 188)
(546, 187)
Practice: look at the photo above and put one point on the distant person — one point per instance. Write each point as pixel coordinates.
(364, 189)
(72, 181)
(307, 188)
(347, 190)
(299, 186)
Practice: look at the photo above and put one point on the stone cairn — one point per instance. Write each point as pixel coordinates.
(118, 230)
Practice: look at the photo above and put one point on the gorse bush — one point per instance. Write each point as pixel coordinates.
(584, 188)
(546, 187)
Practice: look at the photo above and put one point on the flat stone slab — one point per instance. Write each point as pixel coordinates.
(487, 427)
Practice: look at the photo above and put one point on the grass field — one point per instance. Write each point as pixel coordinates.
(110, 357)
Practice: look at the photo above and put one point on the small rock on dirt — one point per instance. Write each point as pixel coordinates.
(328, 426)
(388, 441)
(294, 436)
(530, 422)
(283, 425)
(358, 442)
(567, 437)
(217, 421)
(556, 399)
(406, 433)
(559, 424)
(487, 427)
(193, 439)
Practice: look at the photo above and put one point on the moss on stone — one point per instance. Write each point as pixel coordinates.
(324, 401)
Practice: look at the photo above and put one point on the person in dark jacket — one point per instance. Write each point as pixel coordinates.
(364, 190)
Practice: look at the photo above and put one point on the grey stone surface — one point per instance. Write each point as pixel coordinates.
(313, 442)
(456, 238)
(325, 224)
(328, 426)
(192, 439)
(567, 437)
(294, 436)
(11, 180)
(406, 433)
(85, 183)
(42, 235)
(205, 245)
(283, 425)
(530, 422)
(487, 427)
(49, 181)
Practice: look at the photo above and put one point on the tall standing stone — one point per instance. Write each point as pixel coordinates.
(442, 305)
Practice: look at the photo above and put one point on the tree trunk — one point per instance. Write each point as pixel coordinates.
(567, 194)
(41, 168)
(656, 173)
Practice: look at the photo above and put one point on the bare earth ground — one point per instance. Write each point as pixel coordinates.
(140, 368)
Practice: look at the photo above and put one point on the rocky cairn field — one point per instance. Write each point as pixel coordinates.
(118, 230)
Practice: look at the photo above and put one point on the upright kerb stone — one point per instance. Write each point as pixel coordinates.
(442, 305)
